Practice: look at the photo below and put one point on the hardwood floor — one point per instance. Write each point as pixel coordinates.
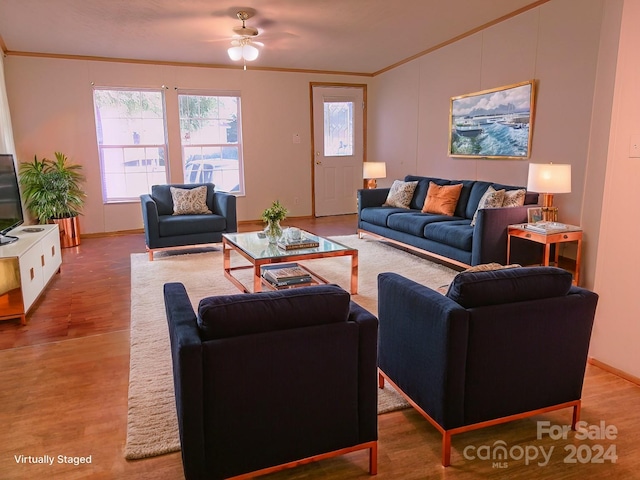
(64, 380)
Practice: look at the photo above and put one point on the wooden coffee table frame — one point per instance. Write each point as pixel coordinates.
(255, 263)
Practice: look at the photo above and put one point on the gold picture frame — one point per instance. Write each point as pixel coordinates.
(534, 214)
(493, 124)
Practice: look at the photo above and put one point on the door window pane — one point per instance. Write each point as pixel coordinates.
(338, 129)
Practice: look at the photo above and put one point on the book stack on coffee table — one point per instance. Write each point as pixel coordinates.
(286, 275)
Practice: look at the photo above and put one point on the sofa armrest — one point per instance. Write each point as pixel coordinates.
(373, 197)
(186, 355)
(422, 346)
(225, 204)
(149, 219)
(490, 233)
(367, 371)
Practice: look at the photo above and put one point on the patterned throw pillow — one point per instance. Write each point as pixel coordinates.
(514, 198)
(442, 199)
(190, 201)
(486, 267)
(400, 194)
(492, 198)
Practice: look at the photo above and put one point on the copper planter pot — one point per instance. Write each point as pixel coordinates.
(69, 231)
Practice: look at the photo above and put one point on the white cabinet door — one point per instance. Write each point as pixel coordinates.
(51, 254)
(31, 275)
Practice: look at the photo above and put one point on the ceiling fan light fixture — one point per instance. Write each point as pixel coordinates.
(242, 48)
(235, 53)
(249, 52)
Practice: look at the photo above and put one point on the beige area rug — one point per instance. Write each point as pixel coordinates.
(152, 427)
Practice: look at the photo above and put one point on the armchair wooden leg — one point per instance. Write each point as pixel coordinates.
(446, 449)
(373, 459)
(576, 415)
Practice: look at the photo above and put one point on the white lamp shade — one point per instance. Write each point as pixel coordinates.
(374, 170)
(549, 178)
(235, 53)
(250, 53)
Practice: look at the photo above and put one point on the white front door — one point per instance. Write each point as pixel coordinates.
(338, 139)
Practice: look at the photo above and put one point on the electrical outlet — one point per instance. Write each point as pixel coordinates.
(296, 138)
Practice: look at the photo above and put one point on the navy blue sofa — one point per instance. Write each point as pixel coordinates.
(501, 345)
(163, 230)
(450, 238)
(265, 381)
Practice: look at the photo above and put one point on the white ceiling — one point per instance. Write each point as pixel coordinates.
(359, 36)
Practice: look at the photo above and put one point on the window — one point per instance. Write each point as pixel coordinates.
(211, 140)
(338, 128)
(131, 131)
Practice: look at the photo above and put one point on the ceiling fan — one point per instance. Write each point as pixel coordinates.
(243, 46)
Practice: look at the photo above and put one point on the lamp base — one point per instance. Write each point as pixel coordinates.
(370, 183)
(550, 214)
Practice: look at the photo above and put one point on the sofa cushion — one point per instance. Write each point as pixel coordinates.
(379, 215)
(492, 198)
(174, 225)
(400, 194)
(190, 201)
(456, 233)
(245, 314)
(414, 222)
(442, 199)
(477, 289)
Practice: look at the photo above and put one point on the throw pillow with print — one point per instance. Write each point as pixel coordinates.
(191, 201)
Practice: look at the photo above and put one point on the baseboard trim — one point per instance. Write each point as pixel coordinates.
(616, 371)
(117, 233)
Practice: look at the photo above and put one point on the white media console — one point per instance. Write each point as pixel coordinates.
(26, 268)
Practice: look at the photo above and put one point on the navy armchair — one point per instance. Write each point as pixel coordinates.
(501, 345)
(271, 380)
(163, 230)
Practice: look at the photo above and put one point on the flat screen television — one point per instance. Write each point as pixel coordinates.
(10, 204)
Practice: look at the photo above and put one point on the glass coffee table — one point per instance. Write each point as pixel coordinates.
(258, 252)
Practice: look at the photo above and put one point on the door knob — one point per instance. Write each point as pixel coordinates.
(318, 162)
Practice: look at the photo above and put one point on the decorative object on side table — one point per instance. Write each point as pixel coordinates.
(547, 179)
(534, 214)
(272, 216)
(53, 194)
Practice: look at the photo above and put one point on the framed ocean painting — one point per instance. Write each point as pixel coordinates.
(495, 123)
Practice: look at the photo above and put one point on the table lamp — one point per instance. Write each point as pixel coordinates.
(547, 179)
(371, 171)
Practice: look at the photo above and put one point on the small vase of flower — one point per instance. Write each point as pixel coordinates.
(272, 216)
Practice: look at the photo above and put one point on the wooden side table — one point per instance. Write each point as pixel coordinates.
(570, 234)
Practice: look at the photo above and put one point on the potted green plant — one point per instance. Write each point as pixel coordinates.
(52, 193)
(272, 216)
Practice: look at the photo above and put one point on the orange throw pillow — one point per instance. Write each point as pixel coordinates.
(442, 199)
